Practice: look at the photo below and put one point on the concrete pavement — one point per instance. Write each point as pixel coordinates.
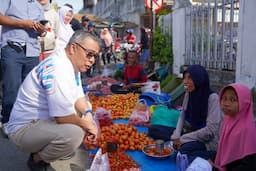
(12, 159)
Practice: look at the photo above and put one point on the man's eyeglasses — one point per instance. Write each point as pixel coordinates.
(88, 53)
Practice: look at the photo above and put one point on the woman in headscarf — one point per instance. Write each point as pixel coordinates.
(198, 126)
(65, 31)
(237, 144)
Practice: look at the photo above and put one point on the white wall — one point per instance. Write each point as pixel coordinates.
(246, 58)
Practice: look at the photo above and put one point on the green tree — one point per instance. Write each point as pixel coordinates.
(162, 47)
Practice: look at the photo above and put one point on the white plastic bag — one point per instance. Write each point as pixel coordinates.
(181, 161)
(152, 86)
(100, 162)
(140, 114)
(103, 116)
(199, 164)
(102, 113)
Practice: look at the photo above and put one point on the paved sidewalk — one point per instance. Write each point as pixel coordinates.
(11, 159)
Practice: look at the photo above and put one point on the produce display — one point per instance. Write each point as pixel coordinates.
(103, 117)
(152, 151)
(119, 161)
(120, 105)
(127, 137)
(140, 115)
(101, 84)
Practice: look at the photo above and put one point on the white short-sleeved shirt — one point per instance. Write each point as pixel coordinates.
(49, 90)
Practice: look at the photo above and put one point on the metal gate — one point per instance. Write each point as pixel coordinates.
(211, 34)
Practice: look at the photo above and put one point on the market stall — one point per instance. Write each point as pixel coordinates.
(148, 163)
(129, 138)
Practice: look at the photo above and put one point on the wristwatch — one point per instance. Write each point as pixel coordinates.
(88, 111)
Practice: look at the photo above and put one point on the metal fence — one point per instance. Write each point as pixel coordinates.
(211, 34)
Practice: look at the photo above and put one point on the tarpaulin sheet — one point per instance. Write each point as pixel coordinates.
(146, 163)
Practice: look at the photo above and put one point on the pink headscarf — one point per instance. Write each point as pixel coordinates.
(238, 133)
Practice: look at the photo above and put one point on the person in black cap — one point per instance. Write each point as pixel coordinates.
(85, 21)
(91, 26)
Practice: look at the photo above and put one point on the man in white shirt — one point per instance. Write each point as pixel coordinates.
(51, 115)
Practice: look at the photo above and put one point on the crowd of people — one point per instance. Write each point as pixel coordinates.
(46, 113)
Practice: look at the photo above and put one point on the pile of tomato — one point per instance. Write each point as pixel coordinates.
(153, 152)
(120, 161)
(126, 136)
(120, 105)
(105, 122)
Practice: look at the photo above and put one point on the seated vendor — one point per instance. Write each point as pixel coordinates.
(197, 130)
(133, 73)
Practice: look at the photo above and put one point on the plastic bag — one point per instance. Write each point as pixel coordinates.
(103, 116)
(199, 164)
(140, 114)
(100, 162)
(156, 99)
(164, 116)
(181, 162)
(152, 87)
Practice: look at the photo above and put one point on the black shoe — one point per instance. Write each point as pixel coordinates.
(37, 166)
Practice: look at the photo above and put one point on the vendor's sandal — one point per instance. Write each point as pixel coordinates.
(38, 166)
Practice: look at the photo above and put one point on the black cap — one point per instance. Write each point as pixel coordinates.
(91, 24)
(84, 18)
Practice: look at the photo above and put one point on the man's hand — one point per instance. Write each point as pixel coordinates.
(176, 144)
(127, 87)
(40, 28)
(36, 26)
(26, 24)
(91, 129)
(90, 139)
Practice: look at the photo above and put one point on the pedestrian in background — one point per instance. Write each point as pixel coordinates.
(112, 32)
(75, 24)
(144, 58)
(84, 22)
(107, 41)
(130, 37)
(96, 65)
(20, 48)
(48, 42)
(65, 31)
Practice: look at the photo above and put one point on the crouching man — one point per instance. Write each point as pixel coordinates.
(51, 115)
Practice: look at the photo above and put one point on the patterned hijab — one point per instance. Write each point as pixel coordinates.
(238, 133)
(197, 107)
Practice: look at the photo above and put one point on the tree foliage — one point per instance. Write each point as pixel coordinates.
(162, 47)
